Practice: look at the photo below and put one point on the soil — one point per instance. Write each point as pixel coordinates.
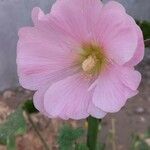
(133, 118)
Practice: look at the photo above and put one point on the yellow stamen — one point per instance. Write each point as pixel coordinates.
(89, 63)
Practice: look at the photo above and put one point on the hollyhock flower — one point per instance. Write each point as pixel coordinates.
(80, 58)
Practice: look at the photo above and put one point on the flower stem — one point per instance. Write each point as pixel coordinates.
(93, 127)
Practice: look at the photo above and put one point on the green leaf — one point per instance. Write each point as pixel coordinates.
(147, 134)
(68, 136)
(81, 147)
(14, 125)
(100, 146)
(145, 27)
(139, 144)
(11, 143)
(29, 107)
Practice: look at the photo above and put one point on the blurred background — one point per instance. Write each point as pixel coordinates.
(134, 118)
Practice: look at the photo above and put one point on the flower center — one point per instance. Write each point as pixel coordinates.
(89, 63)
(92, 59)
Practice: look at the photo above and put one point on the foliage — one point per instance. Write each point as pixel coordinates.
(139, 143)
(101, 146)
(68, 137)
(81, 147)
(14, 125)
(147, 134)
(29, 107)
(11, 143)
(145, 26)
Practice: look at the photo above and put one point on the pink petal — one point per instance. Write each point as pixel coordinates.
(37, 14)
(116, 33)
(113, 5)
(44, 54)
(77, 16)
(130, 77)
(68, 97)
(38, 100)
(95, 111)
(139, 53)
(112, 91)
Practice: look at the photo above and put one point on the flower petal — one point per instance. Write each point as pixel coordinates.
(38, 100)
(78, 16)
(43, 56)
(37, 14)
(139, 53)
(113, 5)
(68, 97)
(95, 111)
(130, 77)
(112, 91)
(116, 34)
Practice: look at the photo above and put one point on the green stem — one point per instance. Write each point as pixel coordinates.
(93, 127)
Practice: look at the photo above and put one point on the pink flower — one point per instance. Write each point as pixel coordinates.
(80, 58)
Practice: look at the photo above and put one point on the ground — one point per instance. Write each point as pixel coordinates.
(133, 118)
